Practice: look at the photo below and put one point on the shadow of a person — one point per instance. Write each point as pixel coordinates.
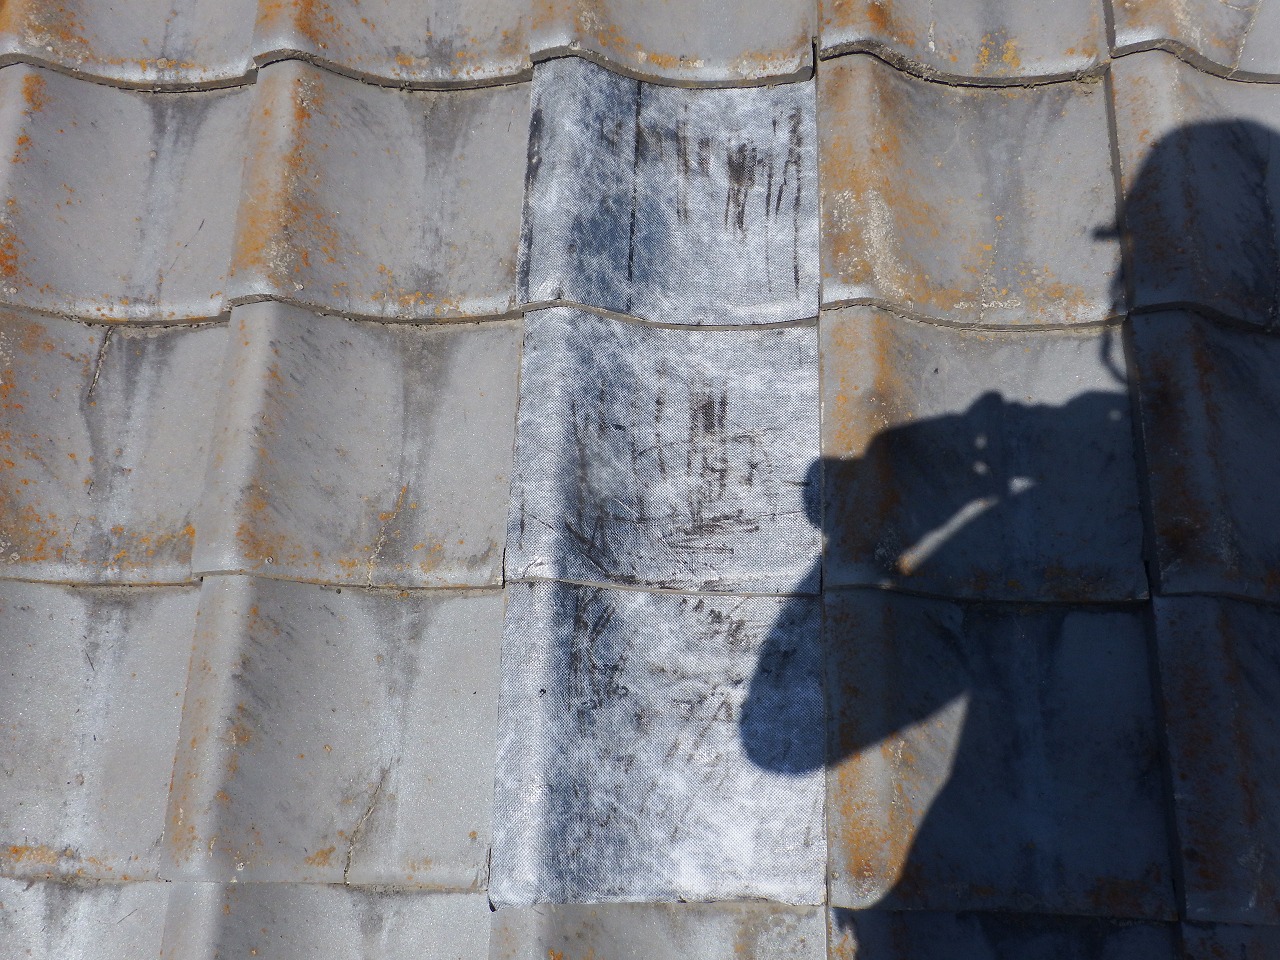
(1005, 755)
(948, 700)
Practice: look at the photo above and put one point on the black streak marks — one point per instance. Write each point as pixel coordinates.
(636, 153)
(741, 163)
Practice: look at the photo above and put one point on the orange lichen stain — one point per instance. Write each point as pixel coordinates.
(997, 54)
(320, 858)
(23, 149)
(879, 16)
(42, 855)
(34, 94)
(47, 25)
(877, 215)
(284, 218)
(11, 249)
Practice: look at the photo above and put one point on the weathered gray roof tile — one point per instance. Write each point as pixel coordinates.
(916, 935)
(1220, 672)
(980, 42)
(1239, 40)
(156, 226)
(102, 452)
(627, 765)
(423, 44)
(968, 204)
(92, 688)
(693, 42)
(179, 44)
(335, 736)
(440, 173)
(286, 921)
(993, 758)
(118, 205)
(1210, 408)
(659, 931)
(62, 921)
(674, 205)
(182, 45)
(157, 43)
(662, 457)
(972, 463)
(362, 453)
(1201, 208)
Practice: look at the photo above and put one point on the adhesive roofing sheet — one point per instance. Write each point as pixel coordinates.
(617, 478)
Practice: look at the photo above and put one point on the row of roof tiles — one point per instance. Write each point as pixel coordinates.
(1006, 758)
(298, 922)
(310, 734)
(162, 43)
(301, 446)
(994, 207)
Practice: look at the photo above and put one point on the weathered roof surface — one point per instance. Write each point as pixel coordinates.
(611, 478)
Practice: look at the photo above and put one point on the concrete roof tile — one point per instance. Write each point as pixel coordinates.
(102, 449)
(304, 921)
(993, 758)
(123, 205)
(995, 749)
(968, 204)
(333, 736)
(358, 453)
(1221, 680)
(407, 42)
(978, 42)
(1236, 40)
(118, 205)
(441, 174)
(61, 921)
(139, 42)
(95, 676)
(1210, 406)
(183, 45)
(970, 463)
(694, 42)
(1201, 209)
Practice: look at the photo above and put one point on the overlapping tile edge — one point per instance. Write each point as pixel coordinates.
(498, 41)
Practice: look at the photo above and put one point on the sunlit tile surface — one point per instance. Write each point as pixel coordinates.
(678, 206)
(667, 458)
(658, 747)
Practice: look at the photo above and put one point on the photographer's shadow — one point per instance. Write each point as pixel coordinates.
(950, 787)
(1005, 756)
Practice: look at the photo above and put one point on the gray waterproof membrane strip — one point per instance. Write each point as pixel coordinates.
(664, 524)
